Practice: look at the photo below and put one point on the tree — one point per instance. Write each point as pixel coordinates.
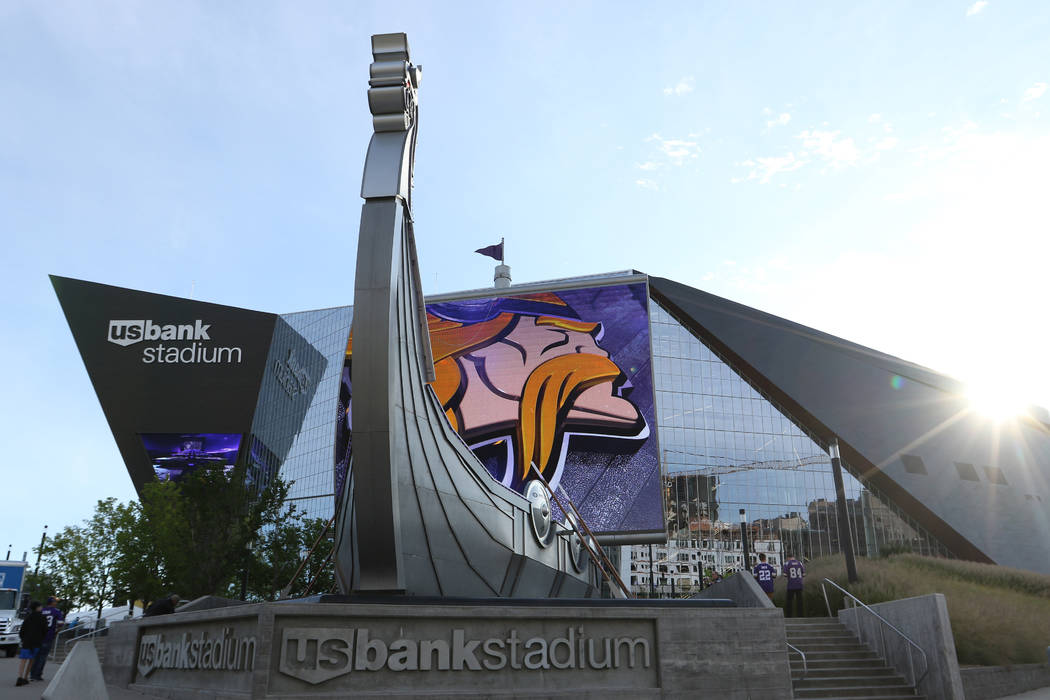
(203, 527)
(279, 553)
(39, 585)
(139, 571)
(82, 559)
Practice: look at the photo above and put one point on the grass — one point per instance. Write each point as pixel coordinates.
(999, 616)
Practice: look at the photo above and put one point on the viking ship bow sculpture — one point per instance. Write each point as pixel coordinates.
(418, 514)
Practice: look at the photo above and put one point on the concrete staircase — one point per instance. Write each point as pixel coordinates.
(61, 651)
(840, 666)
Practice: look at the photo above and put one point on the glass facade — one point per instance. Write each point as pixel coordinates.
(293, 431)
(725, 447)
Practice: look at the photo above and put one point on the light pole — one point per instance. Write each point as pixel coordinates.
(652, 573)
(40, 551)
(743, 539)
(845, 537)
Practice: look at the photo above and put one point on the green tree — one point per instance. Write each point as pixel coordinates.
(40, 585)
(82, 559)
(280, 552)
(139, 571)
(203, 527)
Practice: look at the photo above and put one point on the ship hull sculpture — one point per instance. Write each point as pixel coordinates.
(418, 514)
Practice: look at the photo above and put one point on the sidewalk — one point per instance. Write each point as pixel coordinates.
(1041, 694)
(8, 690)
(9, 671)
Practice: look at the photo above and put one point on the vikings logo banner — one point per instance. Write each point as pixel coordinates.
(561, 380)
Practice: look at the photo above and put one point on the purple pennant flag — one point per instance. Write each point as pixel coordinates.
(493, 251)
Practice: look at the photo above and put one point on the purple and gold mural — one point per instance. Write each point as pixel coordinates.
(560, 380)
(174, 455)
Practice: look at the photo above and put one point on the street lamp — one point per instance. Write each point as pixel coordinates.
(845, 538)
(40, 551)
(743, 539)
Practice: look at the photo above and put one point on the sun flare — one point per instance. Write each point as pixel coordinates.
(996, 400)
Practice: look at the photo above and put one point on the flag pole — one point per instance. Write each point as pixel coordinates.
(502, 250)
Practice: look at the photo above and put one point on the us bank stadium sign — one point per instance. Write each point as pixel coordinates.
(316, 655)
(175, 343)
(196, 652)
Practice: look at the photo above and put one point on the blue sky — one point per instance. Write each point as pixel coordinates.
(877, 170)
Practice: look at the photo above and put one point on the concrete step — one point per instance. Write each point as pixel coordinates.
(824, 639)
(842, 681)
(831, 663)
(812, 656)
(842, 671)
(887, 691)
(807, 636)
(843, 647)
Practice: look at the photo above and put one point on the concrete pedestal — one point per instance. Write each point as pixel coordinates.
(636, 649)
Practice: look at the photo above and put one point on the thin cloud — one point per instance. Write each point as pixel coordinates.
(677, 151)
(887, 143)
(780, 120)
(1034, 92)
(765, 169)
(646, 184)
(684, 87)
(976, 7)
(648, 165)
(835, 151)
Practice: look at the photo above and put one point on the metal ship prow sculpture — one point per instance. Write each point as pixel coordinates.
(418, 514)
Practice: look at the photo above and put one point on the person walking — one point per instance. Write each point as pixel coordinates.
(795, 573)
(765, 574)
(34, 628)
(55, 619)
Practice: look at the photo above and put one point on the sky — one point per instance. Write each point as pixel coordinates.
(876, 170)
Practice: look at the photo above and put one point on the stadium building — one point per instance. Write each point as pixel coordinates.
(675, 410)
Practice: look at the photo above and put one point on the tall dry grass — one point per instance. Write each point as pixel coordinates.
(999, 615)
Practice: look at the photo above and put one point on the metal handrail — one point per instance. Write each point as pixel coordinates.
(587, 538)
(887, 623)
(805, 666)
(87, 633)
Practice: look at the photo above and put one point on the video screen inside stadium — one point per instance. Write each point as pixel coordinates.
(560, 380)
(174, 455)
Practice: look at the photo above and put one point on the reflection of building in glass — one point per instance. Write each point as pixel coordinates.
(294, 431)
(725, 447)
(685, 566)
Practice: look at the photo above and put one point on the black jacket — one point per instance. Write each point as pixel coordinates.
(164, 606)
(34, 629)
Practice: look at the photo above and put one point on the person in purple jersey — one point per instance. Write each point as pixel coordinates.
(765, 574)
(55, 619)
(795, 573)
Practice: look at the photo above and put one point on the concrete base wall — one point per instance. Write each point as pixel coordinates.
(925, 620)
(988, 682)
(741, 588)
(531, 649)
